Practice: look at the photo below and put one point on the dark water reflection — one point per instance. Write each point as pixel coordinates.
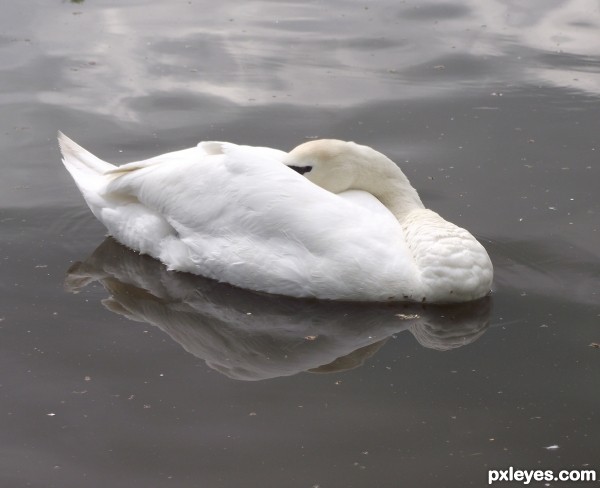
(251, 336)
(491, 108)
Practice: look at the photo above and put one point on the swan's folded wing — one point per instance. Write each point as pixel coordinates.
(189, 198)
(203, 149)
(184, 154)
(243, 217)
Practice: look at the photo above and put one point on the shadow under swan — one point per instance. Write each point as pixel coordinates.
(252, 336)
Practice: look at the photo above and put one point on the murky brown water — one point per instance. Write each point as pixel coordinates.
(142, 378)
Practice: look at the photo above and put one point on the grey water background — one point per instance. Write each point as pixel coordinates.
(492, 110)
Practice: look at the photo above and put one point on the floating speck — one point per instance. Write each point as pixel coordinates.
(407, 316)
(552, 447)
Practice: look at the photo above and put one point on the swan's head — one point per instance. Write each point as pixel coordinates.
(329, 163)
(338, 166)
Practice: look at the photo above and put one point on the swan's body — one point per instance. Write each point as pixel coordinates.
(350, 228)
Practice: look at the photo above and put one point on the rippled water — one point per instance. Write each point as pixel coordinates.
(148, 378)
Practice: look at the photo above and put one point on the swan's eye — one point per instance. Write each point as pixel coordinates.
(301, 169)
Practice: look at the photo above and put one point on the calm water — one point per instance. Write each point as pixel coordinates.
(146, 378)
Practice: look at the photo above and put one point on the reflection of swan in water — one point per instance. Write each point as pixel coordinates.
(250, 336)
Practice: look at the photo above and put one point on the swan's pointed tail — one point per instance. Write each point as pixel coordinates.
(86, 169)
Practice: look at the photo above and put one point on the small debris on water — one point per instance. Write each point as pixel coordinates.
(404, 316)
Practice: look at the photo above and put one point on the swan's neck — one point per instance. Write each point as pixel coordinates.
(389, 185)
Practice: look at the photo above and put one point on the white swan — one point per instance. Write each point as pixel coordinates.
(345, 225)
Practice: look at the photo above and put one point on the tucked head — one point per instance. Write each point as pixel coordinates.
(329, 163)
(338, 166)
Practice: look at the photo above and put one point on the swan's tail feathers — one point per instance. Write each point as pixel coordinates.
(74, 156)
(86, 169)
